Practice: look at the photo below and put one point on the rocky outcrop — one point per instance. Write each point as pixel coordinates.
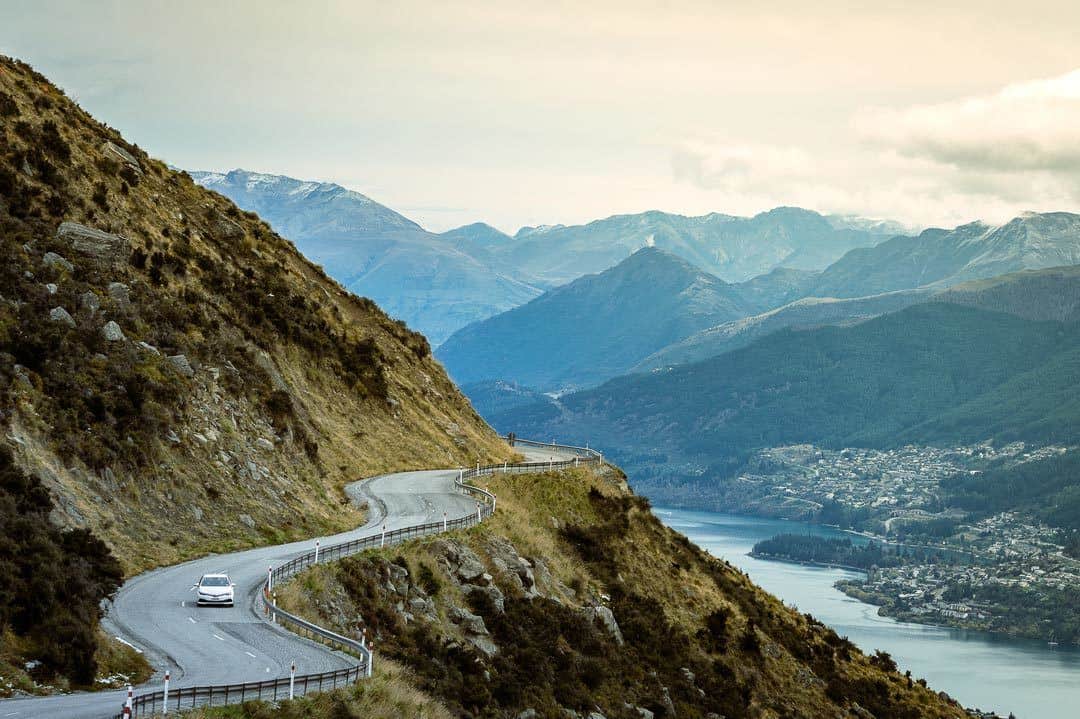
(512, 567)
(59, 314)
(603, 616)
(180, 362)
(111, 149)
(120, 293)
(474, 629)
(102, 247)
(112, 332)
(51, 259)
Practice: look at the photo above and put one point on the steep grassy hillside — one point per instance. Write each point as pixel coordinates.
(606, 323)
(930, 373)
(177, 376)
(575, 599)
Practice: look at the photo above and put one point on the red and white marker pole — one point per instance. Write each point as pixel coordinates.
(269, 579)
(292, 679)
(129, 704)
(478, 513)
(444, 521)
(382, 542)
(316, 551)
(165, 695)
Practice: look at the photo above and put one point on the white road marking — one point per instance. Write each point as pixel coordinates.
(183, 604)
(122, 641)
(250, 654)
(192, 620)
(220, 639)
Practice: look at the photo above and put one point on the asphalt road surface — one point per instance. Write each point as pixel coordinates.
(156, 611)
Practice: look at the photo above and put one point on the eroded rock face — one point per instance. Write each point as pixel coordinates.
(493, 593)
(606, 619)
(118, 153)
(180, 362)
(476, 632)
(51, 259)
(102, 247)
(460, 561)
(120, 293)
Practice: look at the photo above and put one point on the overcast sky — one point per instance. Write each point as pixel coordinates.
(514, 114)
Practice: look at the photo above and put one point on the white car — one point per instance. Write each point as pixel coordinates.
(214, 589)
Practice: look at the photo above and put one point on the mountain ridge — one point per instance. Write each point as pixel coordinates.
(415, 275)
(609, 318)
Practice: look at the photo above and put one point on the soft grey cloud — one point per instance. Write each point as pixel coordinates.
(1029, 126)
(528, 113)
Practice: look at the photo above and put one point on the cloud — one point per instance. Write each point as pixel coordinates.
(1027, 127)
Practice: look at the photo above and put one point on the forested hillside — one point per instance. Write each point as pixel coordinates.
(930, 373)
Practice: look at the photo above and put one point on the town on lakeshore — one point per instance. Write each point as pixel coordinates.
(929, 560)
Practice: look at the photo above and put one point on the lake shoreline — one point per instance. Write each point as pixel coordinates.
(980, 669)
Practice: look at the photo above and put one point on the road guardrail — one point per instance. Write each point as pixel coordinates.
(154, 702)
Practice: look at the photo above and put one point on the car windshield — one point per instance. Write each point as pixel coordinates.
(215, 582)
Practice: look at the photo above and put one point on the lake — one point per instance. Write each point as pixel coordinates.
(979, 669)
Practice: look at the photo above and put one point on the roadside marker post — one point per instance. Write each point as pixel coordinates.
(444, 521)
(382, 542)
(165, 695)
(129, 704)
(292, 679)
(478, 513)
(273, 614)
(316, 551)
(269, 578)
(494, 499)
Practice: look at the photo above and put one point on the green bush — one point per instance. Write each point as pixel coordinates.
(51, 581)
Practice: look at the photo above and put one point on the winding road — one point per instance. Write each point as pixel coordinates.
(155, 611)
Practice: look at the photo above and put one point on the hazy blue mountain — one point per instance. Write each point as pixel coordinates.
(732, 248)
(778, 287)
(495, 396)
(945, 257)
(415, 275)
(477, 239)
(1050, 294)
(594, 328)
(935, 372)
(800, 314)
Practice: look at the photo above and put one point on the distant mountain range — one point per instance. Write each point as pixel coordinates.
(734, 249)
(439, 283)
(946, 257)
(413, 274)
(783, 298)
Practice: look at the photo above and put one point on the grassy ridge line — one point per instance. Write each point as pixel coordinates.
(677, 607)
